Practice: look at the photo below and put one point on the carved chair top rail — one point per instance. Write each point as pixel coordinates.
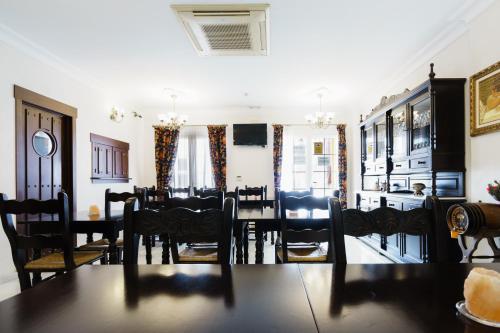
(387, 221)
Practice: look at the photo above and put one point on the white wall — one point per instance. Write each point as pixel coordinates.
(473, 51)
(253, 164)
(19, 68)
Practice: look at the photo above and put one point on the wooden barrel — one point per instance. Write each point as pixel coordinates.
(468, 218)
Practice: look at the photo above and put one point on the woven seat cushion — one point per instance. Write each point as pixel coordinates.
(99, 245)
(304, 254)
(208, 254)
(55, 261)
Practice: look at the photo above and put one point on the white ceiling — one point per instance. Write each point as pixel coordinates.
(138, 48)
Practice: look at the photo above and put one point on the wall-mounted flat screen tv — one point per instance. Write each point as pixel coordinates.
(250, 134)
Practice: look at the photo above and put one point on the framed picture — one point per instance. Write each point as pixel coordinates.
(318, 148)
(485, 101)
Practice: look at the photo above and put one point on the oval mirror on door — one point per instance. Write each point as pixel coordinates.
(43, 143)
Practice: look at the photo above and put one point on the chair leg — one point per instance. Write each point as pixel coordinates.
(24, 280)
(272, 237)
(165, 257)
(148, 249)
(276, 257)
(153, 240)
(119, 251)
(37, 278)
(245, 244)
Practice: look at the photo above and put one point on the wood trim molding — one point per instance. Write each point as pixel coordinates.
(34, 98)
(96, 138)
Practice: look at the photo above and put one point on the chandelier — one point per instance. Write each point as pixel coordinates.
(172, 120)
(320, 119)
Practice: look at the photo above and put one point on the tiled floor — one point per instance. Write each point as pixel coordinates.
(357, 253)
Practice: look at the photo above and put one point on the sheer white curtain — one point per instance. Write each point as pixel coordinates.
(192, 165)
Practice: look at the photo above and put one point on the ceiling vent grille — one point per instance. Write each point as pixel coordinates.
(226, 29)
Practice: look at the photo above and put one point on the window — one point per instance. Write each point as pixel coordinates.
(309, 161)
(193, 165)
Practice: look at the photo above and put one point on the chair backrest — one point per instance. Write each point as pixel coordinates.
(236, 198)
(62, 238)
(388, 221)
(253, 196)
(182, 225)
(297, 194)
(210, 192)
(110, 197)
(180, 190)
(196, 203)
(307, 229)
(155, 198)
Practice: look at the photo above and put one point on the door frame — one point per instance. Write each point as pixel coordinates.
(68, 157)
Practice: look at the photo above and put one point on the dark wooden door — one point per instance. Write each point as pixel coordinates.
(43, 137)
(45, 148)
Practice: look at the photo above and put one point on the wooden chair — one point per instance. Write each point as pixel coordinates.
(253, 196)
(103, 243)
(183, 191)
(196, 203)
(211, 192)
(182, 225)
(56, 262)
(389, 221)
(305, 234)
(155, 198)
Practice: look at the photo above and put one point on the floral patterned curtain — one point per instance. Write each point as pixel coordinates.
(342, 166)
(277, 154)
(217, 140)
(166, 141)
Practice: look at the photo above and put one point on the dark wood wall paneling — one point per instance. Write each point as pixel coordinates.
(109, 160)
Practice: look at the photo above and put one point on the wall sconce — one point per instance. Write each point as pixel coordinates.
(136, 114)
(116, 115)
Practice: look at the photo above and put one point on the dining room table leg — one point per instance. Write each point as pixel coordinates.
(259, 244)
(113, 250)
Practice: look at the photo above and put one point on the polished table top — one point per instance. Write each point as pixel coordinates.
(245, 298)
(389, 297)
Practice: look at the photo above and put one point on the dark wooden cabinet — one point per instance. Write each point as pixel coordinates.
(109, 160)
(419, 137)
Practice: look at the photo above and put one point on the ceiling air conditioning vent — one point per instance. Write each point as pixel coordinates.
(226, 30)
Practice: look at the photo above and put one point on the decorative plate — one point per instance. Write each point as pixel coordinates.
(463, 311)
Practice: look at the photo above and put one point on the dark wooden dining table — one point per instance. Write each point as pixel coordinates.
(246, 298)
(82, 223)
(268, 219)
(108, 227)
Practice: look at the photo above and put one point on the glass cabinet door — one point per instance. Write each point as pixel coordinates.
(399, 131)
(381, 138)
(369, 144)
(421, 125)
